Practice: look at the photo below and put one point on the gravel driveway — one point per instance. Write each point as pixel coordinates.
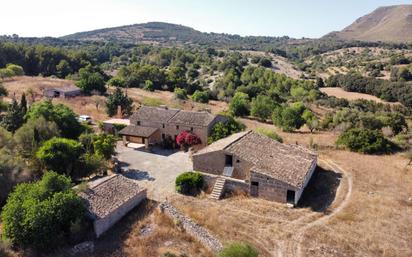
(156, 170)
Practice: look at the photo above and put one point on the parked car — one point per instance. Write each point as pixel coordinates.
(85, 118)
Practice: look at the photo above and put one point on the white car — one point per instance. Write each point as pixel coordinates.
(85, 118)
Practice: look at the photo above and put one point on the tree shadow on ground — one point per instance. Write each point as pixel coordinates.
(138, 175)
(159, 151)
(320, 192)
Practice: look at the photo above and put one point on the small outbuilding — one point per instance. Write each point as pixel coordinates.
(113, 126)
(62, 92)
(109, 199)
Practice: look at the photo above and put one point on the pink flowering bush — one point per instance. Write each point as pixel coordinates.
(186, 139)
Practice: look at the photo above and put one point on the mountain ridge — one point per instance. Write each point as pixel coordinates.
(386, 24)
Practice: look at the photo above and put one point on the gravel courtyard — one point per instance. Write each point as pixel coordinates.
(154, 170)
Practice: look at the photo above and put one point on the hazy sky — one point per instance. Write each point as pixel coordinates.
(305, 18)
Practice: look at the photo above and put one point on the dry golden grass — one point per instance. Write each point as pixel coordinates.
(340, 93)
(127, 239)
(374, 220)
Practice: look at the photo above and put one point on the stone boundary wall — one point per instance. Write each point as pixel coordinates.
(198, 232)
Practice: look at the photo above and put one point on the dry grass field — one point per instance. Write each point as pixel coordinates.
(94, 106)
(340, 93)
(356, 205)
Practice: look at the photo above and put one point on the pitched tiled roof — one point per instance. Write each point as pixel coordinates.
(153, 114)
(172, 116)
(221, 144)
(288, 163)
(137, 131)
(188, 118)
(68, 88)
(105, 196)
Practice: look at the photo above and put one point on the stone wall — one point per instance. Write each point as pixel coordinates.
(231, 184)
(270, 188)
(199, 233)
(102, 225)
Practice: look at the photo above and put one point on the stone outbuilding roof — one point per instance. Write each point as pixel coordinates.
(284, 162)
(106, 195)
(154, 114)
(189, 118)
(172, 116)
(138, 131)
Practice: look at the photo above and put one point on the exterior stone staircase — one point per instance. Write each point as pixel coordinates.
(218, 188)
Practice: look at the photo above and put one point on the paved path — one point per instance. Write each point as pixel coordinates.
(156, 171)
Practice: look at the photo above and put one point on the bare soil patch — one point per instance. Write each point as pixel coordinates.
(340, 93)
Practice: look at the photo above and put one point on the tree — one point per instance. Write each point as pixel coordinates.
(239, 105)
(62, 115)
(148, 85)
(40, 214)
(104, 145)
(319, 82)
(117, 82)
(3, 90)
(32, 134)
(310, 120)
(23, 104)
(238, 249)
(14, 117)
(60, 155)
(224, 129)
(364, 141)
(118, 98)
(200, 96)
(15, 69)
(180, 93)
(262, 107)
(91, 80)
(63, 69)
(287, 118)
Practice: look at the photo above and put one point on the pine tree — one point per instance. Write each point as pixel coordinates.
(23, 104)
(14, 117)
(118, 98)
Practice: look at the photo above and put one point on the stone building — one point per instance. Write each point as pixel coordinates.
(63, 92)
(153, 125)
(109, 199)
(259, 165)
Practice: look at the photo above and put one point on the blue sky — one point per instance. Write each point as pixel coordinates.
(305, 18)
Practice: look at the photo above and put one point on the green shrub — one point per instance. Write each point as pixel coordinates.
(223, 129)
(180, 93)
(40, 214)
(200, 96)
(189, 182)
(238, 249)
(269, 133)
(364, 141)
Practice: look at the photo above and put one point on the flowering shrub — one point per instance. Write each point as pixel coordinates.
(187, 139)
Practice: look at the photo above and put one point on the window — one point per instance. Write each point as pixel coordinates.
(177, 126)
(163, 125)
(191, 129)
(163, 136)
(138, 123)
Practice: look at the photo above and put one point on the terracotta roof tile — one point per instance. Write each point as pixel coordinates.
(137, 131)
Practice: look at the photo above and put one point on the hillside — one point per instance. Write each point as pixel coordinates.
(387, 24)
(167, 33)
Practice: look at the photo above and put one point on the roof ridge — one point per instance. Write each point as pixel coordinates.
(237, 139)
(178, 110)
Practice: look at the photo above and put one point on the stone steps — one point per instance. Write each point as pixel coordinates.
(218, 188)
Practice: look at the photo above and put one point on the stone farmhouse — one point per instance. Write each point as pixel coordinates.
(155, 125)
(63, 92)
(109, 199)
(258, 165)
